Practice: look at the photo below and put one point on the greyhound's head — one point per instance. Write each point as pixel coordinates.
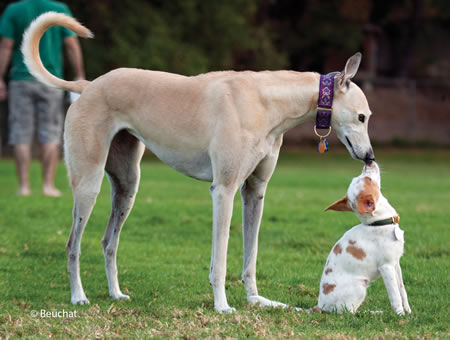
(364, 197)
(351, 113)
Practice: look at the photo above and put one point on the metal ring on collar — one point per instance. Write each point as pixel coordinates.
(317, 134)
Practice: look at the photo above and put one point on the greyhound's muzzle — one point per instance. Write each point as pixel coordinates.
(368, 158)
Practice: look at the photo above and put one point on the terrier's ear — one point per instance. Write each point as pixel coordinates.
(341, 205)
(350, 69)
(366, 203)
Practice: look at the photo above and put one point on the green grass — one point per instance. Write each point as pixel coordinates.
(164, 255)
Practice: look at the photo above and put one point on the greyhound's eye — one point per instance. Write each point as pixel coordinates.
(361, 118)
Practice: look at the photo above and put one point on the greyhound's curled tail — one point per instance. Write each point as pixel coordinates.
(30, 49)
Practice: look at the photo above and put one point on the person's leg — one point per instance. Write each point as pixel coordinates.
(49, 159)
(50, 123)
(21, 127)
(22, 155)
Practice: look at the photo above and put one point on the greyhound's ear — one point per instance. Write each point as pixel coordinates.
(366, 203)
(351, 67)
(341, 205)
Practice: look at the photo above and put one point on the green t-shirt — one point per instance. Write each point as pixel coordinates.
(14, 21)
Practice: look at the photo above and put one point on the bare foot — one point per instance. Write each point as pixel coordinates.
(24, 191)
(51, 192)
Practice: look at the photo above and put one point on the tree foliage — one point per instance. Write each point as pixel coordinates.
(182, 36)
(195, 36)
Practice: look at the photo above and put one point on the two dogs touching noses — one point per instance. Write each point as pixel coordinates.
(226, 128)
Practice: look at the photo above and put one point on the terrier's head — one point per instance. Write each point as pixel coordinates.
(364, 196)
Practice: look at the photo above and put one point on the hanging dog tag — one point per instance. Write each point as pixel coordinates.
(323, 145)
(398, 233)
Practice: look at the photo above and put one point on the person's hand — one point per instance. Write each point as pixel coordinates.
(79, 78)
(3, 90)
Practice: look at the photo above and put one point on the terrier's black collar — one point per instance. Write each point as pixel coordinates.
(387, 221)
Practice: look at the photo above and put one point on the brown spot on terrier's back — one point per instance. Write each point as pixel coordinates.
(337, 249)
(327, 288)
(356, 252)
(352, 242)
(328, 270)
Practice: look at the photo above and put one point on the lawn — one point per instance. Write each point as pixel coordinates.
(164, 255)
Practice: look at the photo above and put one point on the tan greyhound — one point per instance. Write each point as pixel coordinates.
(223, 127)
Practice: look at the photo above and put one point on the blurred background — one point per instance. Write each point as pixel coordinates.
(405, 71)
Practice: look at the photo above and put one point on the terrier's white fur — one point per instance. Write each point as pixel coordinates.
(364, 252)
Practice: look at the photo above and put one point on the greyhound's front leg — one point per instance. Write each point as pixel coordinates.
(252, 193)
(222, 197)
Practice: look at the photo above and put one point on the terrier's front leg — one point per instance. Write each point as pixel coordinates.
(402, 289)
(390, 281)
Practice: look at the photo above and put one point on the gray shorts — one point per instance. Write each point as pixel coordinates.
(34, 105)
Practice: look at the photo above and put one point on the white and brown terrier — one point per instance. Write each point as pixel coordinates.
(366, 251)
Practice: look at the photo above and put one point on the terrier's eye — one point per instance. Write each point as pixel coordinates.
(361, 118)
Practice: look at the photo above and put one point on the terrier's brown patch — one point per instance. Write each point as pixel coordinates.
(368, 197)
(356, 252)
(328, 270)
(317, 309)
(352, 242)
(337, 249)
(327, 288)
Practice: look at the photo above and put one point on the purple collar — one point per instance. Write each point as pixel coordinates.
(324, 109)
(325, 102)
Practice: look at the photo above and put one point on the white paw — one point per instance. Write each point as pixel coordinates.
(80, 300)
(407, 309)
(400, 311)
(225, 309)
(120, 296)
(263, 302)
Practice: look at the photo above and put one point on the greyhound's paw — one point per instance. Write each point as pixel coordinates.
(120, 296)
(225, 309)
(79, 300)
(263, 302)
(316, 309)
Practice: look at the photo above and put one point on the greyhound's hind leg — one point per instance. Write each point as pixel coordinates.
(85, 194)
(85, 149)
(122, 169)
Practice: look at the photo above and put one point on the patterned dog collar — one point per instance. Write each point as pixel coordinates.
(325, 102)
(387, 221)
(324, 109)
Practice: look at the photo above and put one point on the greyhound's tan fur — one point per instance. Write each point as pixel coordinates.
(224, 127)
